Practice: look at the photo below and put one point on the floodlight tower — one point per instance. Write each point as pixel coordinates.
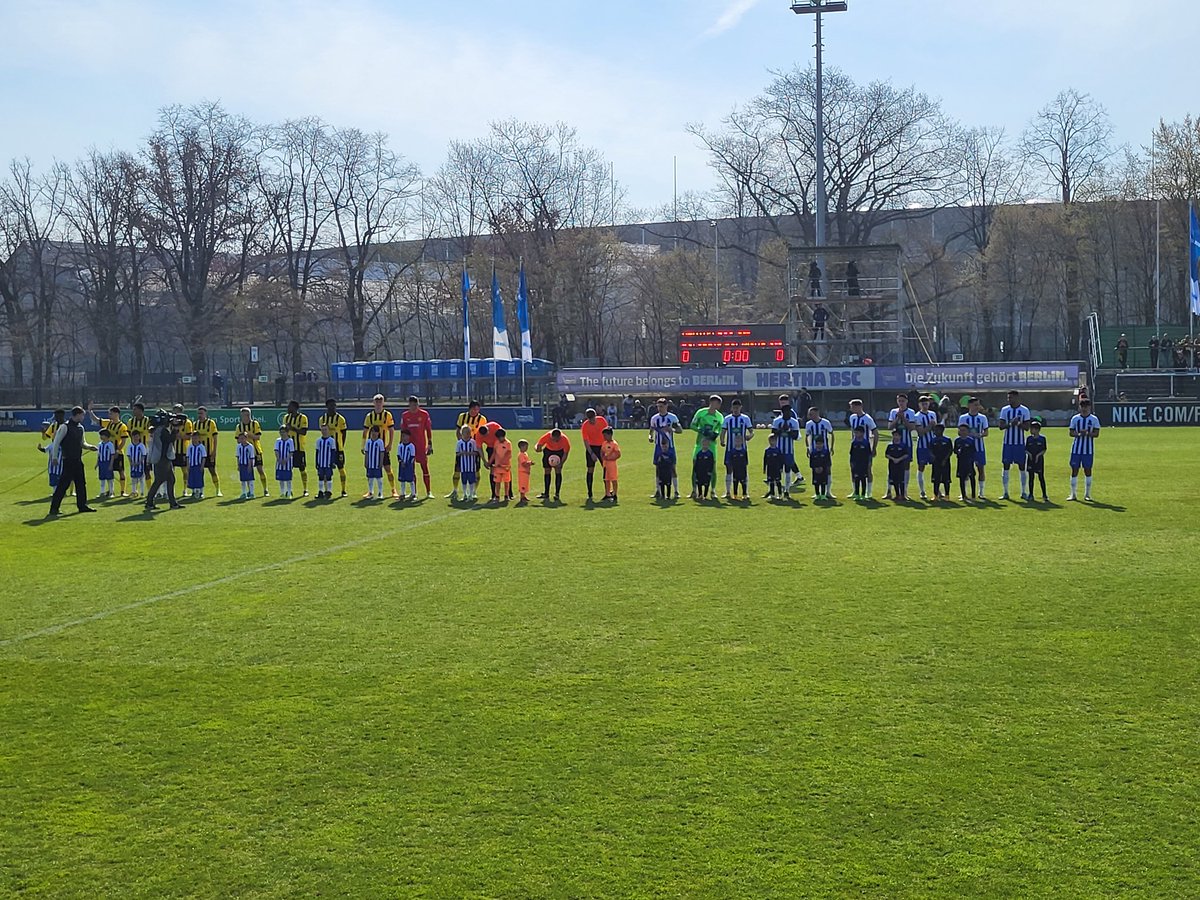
(817, 8)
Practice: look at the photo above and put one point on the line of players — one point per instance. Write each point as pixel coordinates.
(478, 442)
(918, 434)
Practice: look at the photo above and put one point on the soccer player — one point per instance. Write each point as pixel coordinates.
(941, 448)
(819, 427)
(786, 428)
(373, 452)
(139, 423)
(774, 463)
(964, 452)
(820, 463)
(472, 419)
(420, 429)
(704, 465)
(976, 421)
(610, 452)
(325, 451)
(285, 460)
(106, 455)
(1035, 458)
(524, 469)
(183, 437)
(664, 425)
(337, 430)
(592, 432)
(859, 417)
(207, 429)
(899, 457)
(406, 467)
(296, 424)
(906, 420)
(466, 455)
(137, 464)
(1085, 428)
(197, 457)
(736, 432)
(252, 428)
(1014, 419)
(246, 457)
(926, 419)
(707, 423)
(861, 452)
(553, 445)
(502, 466)
(119, 433)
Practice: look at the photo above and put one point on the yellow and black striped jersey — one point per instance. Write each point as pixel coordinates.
(207, 429)
(337, 428)
(253, 428)
(386, 426)
(140, 425)
(297, 426)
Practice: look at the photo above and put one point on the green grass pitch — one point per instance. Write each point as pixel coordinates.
(320, 699)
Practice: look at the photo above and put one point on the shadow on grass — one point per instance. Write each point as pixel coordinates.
(1108, 507)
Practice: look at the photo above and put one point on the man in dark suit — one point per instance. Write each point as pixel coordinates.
(68, 445)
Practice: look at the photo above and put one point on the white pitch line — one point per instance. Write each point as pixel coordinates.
(224, 579)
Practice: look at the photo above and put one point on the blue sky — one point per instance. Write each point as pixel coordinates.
(630, 75)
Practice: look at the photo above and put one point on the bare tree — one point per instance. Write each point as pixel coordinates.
(887, 152)
(196, 178)
(368, 188)
(1069, 140)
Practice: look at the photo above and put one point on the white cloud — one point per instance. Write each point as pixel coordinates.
(730, 17)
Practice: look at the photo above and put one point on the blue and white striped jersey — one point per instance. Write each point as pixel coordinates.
(663, 429)
(1081, 430)
(405, 453)
(137, 458)
(105, 451)
(373, 457)
(737, 430)
(246, 455)
(926, 421)
(284, 448)
(977, 425)
(907, 418)
(467, 455)
(784, 428)
(866, 421)
(326, 451)
(196, 455)
(1014, 435)
(822, 428)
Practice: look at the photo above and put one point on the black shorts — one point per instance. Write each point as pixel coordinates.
(118, 463)
(594, 457)
(258, 460)
(210, 463)
(299, 460)
(180, 460)
(339, 459)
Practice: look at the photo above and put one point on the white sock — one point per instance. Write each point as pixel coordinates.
(920, 481)
(981, 485)
(728, 483)
(1087, 484)
(1074, 484)
(1022, 473)
(1004, 480)
(870, 486)
(675, 484)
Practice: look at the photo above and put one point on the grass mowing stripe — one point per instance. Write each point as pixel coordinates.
(224, 579)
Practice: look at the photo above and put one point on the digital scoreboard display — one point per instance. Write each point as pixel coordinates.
(732, 345)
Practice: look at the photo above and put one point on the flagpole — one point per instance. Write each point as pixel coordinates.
(495, 388)
(466, 287)
(522, 298)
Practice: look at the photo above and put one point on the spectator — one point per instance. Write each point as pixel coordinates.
(1123, 352)
(820, 317)
(814, 280)
(638, 415)
(852, 287)
(1154, 348)
(627, 406)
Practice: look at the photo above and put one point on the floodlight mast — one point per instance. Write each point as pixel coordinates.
(817, 8)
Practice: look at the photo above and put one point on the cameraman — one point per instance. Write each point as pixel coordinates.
(162, 458)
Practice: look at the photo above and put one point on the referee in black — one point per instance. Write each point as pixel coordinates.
(69, 445)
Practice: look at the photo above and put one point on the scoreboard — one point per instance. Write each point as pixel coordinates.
(732, 345)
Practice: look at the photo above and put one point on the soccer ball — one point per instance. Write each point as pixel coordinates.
(555, 461)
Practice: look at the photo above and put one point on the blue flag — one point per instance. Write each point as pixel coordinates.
(500, 349)
(1194, 261)
(523, 318)
(466, 288)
